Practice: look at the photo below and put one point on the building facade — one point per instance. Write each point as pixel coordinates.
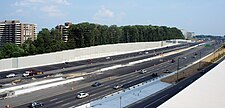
(63, 31)
(187, 35)
(13, 31)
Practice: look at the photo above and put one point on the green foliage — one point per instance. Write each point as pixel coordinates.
(89, 34)
(12, 50)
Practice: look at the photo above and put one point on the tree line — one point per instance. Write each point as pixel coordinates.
(88, 34)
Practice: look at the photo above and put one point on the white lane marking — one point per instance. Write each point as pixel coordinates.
(65, 104)
(59, 101)
(53, 99)
(156, 101)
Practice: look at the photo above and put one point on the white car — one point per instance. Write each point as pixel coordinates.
(26, 74)
(184, 57)
(82, 95)
(117, 86)
(143, 71)
(107, 58)
(10, 75)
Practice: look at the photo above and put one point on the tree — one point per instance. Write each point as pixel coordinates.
(89, 34)
(12, 50)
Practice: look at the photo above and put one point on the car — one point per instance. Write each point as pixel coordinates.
(143, 71)
(146, 52)
(154, 75)
(167, 71)
(26, 74)
(36, 104)
(161, 60)
(172, 61)
(11, 75)
(117, 86)
(194, 56)
(82, 95)
(107, 58)
(184, 57)
(96, 84)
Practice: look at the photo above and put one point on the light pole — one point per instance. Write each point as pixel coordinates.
(161, 41)
(200, 54)
(178, 60)
(128, 37)
(120, 102)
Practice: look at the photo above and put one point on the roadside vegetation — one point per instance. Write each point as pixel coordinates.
(89, 34)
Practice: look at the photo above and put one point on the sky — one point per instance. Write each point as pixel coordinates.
(199, 16)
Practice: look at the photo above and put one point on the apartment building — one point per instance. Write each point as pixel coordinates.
(14, 31)
(63, 30)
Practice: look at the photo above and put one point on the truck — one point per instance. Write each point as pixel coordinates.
(32, 73)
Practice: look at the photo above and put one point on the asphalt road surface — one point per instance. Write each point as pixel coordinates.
(127, 76)
(79, 66)
(161, 97)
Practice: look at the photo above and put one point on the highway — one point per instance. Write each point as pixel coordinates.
(126, 76)
(161, 97)
(86, 66)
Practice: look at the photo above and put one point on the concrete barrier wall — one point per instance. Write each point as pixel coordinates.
(76, 54)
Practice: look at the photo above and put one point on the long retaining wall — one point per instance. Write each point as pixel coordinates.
(77, 54)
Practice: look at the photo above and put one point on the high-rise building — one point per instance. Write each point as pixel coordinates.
(187, 35)
(14, 31)
(63, 30)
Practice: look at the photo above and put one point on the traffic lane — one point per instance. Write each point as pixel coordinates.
(71, 71)
(159, 98)
(98, 90)
(98, 66)
(138, 79)
(60, 96)
(61, 65)
(142, 78)
(135, 81)
(69, 64)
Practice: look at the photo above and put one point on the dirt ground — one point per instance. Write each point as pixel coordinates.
(194, 68)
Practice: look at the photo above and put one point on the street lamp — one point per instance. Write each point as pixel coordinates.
(178, 61)
(200, 54)
(120, 101)
(161, 41)
(128, 38)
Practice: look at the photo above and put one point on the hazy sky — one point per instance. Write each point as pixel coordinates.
(199, 16)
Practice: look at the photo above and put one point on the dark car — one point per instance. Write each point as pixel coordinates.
(154, 75)
(167, 71)
(172, 61)
(96, 84)
(36, 104)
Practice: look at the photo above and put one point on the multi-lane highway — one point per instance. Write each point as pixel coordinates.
(92, 65)
(159, 98)
(126, 76)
